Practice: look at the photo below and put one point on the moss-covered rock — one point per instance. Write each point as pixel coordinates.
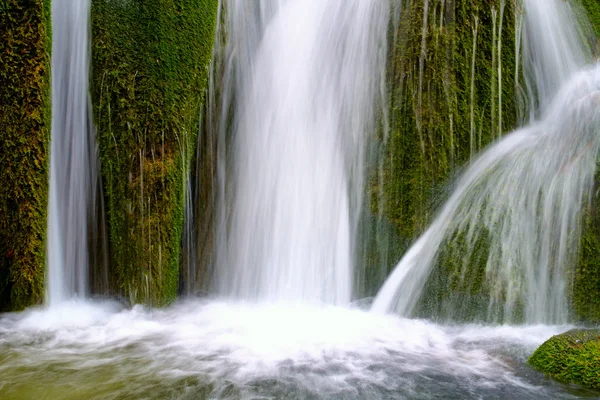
(571, 357)
(454, 88)
(440, 116)
(592, 11)
(25, 120)
(150, 61)
(585, 293)
(455, 85)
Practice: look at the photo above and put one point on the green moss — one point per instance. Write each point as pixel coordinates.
(150, 63)
(453, 292)
(572, 357)
(25, 118)
(430, 137)
(585, 294)
(436, 124)
(592, 9)
(585, 277)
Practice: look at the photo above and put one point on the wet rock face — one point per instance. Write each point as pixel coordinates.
(571, 357)
(25, 120)
(150, 63)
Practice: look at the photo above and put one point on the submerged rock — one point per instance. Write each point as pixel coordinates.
(571, 357)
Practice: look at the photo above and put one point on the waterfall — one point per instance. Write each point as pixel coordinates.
(73, 157)
(523, 197)
(553, 49)
(305, 79)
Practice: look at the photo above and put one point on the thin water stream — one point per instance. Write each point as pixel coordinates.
(73, 157)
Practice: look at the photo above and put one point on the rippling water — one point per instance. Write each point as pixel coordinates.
(218, 350)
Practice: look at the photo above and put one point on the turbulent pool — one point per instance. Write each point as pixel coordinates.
(218, 350)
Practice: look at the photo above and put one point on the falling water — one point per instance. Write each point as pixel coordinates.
(73, 156)
(524, 195)
(306, 82)
(297, 96)
(553, 49)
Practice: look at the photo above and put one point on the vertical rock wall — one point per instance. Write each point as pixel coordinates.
(25, 120)
(149, 71)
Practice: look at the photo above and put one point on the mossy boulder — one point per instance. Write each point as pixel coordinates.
(571, 357)
(25, 120)
(150, 63)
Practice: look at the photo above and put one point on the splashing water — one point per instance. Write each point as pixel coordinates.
(524, 195)
(306, 78)
(246, 351)
(73, 161)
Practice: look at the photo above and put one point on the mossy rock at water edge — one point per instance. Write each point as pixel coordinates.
(571, 357)
(150, 63)
(25, 120)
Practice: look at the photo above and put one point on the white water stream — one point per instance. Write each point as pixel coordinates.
(306, 76)
(73, 157)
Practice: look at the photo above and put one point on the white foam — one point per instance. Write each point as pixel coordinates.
(328, 348)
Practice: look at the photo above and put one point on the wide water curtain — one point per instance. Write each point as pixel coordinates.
(306, 76)
(511, 228)
(73, 165)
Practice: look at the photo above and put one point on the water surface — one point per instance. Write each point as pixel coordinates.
(218, 350)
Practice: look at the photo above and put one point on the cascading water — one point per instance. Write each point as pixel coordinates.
(553, 49)
(523, 196)
(307, 79)
(301, 81)
(73, 161)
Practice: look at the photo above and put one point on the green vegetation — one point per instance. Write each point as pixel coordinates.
(25, 119)
(572, 357)
(445, 107)
(150, 61)
(592, 9)
(430, 86)
(589, 13)
(451, 94)
(585, 296)
(585, 300)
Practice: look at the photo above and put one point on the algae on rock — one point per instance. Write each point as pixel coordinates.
(585, 289)
(454, 85)
(585, 277)
(25, 120)
(592, 11)
(571, 357)
(150, 63)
